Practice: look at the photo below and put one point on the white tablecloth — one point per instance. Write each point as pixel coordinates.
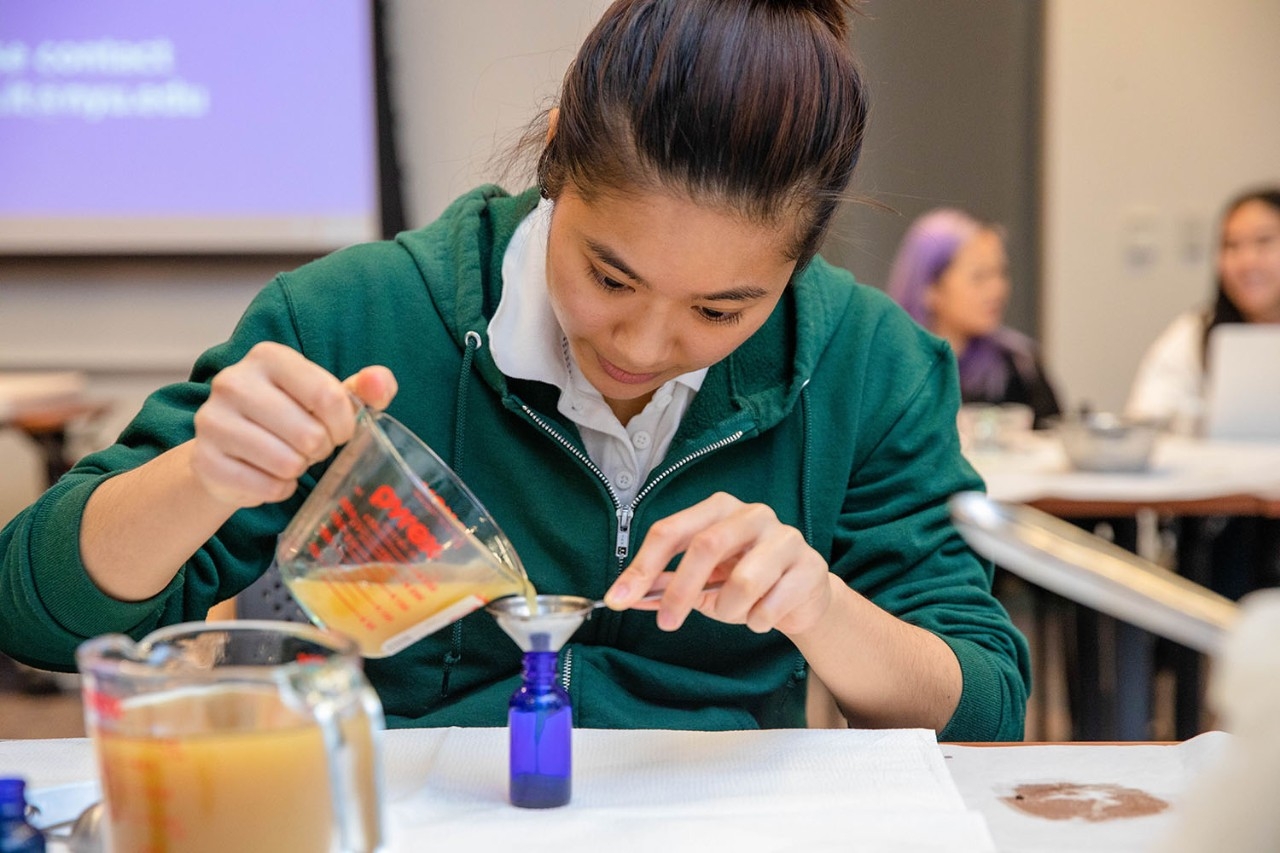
(1034, 466)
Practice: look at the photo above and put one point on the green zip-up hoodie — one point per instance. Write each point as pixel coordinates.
(839, 413)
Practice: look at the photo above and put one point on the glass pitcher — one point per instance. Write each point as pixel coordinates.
(391, 546)
(240, 736)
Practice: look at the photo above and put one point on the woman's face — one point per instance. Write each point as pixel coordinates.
(649, 286)
(1249, 261)
(968, 299)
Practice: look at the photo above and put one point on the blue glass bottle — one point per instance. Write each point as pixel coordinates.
(16, 835)
(540, 720)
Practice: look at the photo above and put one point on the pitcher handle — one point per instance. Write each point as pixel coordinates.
(359, 822)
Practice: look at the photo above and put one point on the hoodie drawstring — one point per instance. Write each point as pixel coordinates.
(474, 342)
(800, 673)
(806, 454)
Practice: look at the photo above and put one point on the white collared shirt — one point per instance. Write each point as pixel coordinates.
(528, 343)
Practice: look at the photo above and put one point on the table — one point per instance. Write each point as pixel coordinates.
(754, 790)
(43, 407)
(47, 424)
(1188, 478)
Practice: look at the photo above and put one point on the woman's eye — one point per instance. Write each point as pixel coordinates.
(714, 316)
(609, 284)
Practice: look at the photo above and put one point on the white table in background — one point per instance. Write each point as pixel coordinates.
(1187, 476)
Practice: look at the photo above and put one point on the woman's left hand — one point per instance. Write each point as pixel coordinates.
(771, 577)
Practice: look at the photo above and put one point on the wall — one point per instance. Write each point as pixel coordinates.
(955, 103)
(1157, 111)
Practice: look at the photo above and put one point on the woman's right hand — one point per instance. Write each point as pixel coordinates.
(270, 417)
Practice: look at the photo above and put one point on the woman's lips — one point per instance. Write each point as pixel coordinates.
(619, 375)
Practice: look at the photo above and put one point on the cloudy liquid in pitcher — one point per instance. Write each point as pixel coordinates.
(386, 607)
(240, 772)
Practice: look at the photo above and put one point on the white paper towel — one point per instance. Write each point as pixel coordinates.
(647, 790)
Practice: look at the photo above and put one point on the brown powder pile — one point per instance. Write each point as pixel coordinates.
(1094, 803)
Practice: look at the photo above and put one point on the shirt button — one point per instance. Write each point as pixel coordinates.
(662, 399)
(625, 479)
(641, 440)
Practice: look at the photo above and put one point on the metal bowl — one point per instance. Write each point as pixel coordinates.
(1107, 443)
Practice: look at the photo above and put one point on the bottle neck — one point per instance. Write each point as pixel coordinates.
(540, 669)
(13, 802)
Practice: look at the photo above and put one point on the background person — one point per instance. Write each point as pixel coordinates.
(637, 364)
(1170, 380)
(951, 274)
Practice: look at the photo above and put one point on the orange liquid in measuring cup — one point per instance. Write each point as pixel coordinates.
(385, 608)
(241, 772)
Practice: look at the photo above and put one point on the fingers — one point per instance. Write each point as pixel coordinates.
(771, 577)
(728, 544)
(270, 417)
(376, 385)
(665, 539)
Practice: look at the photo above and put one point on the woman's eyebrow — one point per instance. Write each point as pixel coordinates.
(742, 293)
(735, 294)
(607, 255)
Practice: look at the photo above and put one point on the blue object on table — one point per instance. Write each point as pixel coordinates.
(540, 719)
(16, 835)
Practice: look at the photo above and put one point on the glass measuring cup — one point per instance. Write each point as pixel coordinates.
(392, 546)
(234, 736)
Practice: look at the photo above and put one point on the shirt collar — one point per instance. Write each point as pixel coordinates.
(524, 335)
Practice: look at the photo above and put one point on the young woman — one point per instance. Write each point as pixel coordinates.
(952, 275)
(1170, 379)
(639, 364)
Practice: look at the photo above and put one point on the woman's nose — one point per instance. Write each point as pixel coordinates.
(644, 337)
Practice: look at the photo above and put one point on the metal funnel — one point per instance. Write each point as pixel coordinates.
(548, 627)
(556, 618)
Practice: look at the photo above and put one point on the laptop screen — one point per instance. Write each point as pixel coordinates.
(1242, 392)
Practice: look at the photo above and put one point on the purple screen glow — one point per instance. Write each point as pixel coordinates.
(125, 119)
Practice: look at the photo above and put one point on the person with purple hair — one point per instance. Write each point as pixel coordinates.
(951, 274)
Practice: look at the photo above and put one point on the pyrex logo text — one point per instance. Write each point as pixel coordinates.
(385, 498)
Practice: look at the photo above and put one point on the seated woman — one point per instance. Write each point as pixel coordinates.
(1170, 379)
(952, 275)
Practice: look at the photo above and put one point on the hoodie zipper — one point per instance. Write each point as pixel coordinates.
(624, 514)
(566, 673)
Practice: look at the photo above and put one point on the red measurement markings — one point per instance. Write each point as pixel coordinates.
(104, 705)
(385, 498)
(342, 594)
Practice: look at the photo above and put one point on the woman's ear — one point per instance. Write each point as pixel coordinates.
(553, 118)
